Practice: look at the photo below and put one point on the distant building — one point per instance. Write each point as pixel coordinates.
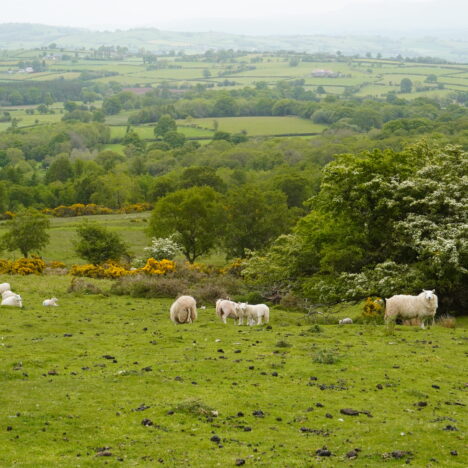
(322, 73)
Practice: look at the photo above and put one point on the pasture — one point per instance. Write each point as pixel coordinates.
(106, 380)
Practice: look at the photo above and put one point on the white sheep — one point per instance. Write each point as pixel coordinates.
(345, 321)
(50, 302)
(225, 309)
(184, 310)
(408, 307)
(254, 313)
(7, 293)
(5, 287)
(14, 301)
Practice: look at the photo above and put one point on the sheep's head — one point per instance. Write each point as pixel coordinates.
(241, 306)
(429, 295)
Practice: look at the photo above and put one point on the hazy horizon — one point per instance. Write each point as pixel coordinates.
(403, 17)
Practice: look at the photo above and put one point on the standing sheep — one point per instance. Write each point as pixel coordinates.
(184, 310)
(407, 307)
(254, 313)
(225, 309)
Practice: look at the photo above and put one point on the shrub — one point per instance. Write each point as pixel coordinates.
(149, 287)
(283, 344)
(163, 247)
(373, 309)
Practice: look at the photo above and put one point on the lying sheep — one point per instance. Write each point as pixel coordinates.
(253, 313)
(345, 321)
(14, 301)
(7, 293)
(50, 302)
(4, 287)
(408, 307)
(184, 310)
(225, 309)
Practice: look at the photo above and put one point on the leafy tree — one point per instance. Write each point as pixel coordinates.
(254, 218)
(97, 244)
(174, 139)
(195, 215)
(27, 232)
(406, 85)
(165, 125)
(60, 169)
(199, 176)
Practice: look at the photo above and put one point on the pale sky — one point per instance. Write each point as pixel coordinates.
(208, 14)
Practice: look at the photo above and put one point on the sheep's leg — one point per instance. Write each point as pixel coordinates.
(259, 321)
(422, 324)
(224, 317)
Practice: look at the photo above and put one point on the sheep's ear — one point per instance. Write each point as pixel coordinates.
(433, 291)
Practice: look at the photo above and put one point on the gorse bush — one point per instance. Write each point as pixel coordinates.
(373, 309)
(22, 266)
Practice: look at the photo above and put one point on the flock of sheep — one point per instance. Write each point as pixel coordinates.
(403, 306)
(184, 309)
(9, 298)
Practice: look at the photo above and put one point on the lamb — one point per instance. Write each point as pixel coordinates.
(14, 301)
(50, 302)
(254, 313)
(184, 310)
(345, 321)
(225, 309)
(4, 287)
(409, 307)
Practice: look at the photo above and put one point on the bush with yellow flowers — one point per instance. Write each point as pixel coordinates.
(112, 270)
(27, 266)
(234, 268)
(54, 264)
(373, 308)
(157, 267)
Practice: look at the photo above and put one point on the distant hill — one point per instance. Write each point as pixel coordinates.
(27, 36)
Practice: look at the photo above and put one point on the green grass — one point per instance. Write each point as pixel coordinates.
(259, 125)
(62, 402)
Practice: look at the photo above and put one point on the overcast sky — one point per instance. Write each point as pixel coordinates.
(242, 16)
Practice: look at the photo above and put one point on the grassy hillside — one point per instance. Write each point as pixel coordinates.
(111, 381)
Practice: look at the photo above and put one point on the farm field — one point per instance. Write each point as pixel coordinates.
(109, 380)
(255, 126)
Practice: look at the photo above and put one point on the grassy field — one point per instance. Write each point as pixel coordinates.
(255, 126)
(106, 380)
(62, 235)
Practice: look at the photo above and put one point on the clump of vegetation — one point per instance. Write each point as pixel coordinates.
(326, 356)
(194, 407)
(149, 287)
(22, 266)
(315, 329)
(447, 321)
(283, 344)
(81, 286)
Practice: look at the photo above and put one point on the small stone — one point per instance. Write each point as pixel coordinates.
(220, 350)
(247, 429)
(379, 386)
(454, 453)
(352, 454)
(436, 387)
(240, 414)
(240, 462)
(319, 405)
(147, 369)
(216, 439)
(329, 416)
(258, 414)
(147, 422)
(421, 404)
(349, 412)
(274, 374)
(323, 452)
(9, 428)
(450, 428)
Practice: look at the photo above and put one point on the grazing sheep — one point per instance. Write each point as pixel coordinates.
(184, 310)
(345, 321)
(225, 309)
(14, 301)
(50, 302)
(254, 313)
(4, 287)
(407, 307)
